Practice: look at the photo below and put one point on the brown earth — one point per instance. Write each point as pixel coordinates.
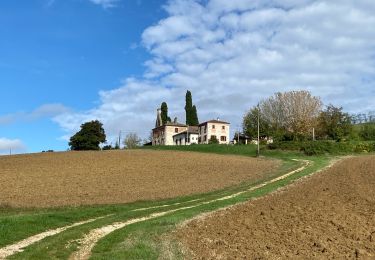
(85, 178)
(328, 215)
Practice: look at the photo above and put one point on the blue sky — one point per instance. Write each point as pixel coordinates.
(65, 52)
(64, 62)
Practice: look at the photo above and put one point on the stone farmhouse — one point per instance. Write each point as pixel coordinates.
(174, 133)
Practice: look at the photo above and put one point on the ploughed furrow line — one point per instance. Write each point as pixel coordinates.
(88, 242)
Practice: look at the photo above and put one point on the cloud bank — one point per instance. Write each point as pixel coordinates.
(15, 145)
(231, 54)
(44, 111)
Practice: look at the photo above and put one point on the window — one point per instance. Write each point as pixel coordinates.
(213, 126)
(205, 138)
(223, 138)
(223, 127)
(205, 129)
(176, 130)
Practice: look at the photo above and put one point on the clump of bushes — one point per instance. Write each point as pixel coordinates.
(324, 147)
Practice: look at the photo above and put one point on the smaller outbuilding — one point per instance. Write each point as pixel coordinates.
(187, 137)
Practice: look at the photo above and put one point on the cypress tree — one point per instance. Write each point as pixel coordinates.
(164, 113)
(195, 120)
(189, 108)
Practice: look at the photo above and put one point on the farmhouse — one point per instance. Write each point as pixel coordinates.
(187, 137)
(214, 128)
(174, 133)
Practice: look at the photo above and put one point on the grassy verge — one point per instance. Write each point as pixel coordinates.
(145, 240)
(246, 150)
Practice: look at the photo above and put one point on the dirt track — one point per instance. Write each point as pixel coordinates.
(329, 215)
(85, 178)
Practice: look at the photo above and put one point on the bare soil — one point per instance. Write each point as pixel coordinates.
(87, 178)
(328, 215)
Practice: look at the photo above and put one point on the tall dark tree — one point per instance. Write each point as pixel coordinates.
(164, 113)
(191, 111)
(195, 120)
(189, 107)
(89, 137)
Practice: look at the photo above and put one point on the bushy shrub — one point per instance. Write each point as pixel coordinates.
(364, 147)
(367, 132)
(324, 147)
(213, 140)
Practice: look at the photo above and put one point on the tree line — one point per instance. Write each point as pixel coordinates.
(298, 115)
(92, 135)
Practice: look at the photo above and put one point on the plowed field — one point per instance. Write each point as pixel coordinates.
(85, 178)
(329, 215)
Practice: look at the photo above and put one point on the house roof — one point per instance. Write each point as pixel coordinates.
(171, 124)
(215, 121)
(192, 130)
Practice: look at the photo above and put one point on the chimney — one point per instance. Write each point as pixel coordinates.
(159, 121)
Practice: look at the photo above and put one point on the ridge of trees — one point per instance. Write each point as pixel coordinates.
(298, 115)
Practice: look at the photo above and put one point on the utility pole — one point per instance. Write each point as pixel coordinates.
(10, 151)
(119, 140)
(258, 148)
(313, 134)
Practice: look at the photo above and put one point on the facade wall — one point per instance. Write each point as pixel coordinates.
(164, 135)
(220, 130)
(171, 131)
(181, 139)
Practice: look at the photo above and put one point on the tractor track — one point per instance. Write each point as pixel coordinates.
(91, 239)
(88, 242)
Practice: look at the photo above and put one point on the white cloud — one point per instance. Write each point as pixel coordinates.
(232, 53)
(105, 3)
(47, 110)
(14, 145)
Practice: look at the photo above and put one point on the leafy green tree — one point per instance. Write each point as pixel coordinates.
(367, 132)
(164, 113)
(89, 137)
(250, 124)
(334, 124)
(107, 147)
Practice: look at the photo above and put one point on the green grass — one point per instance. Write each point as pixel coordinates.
(143, 240)
(246, 150)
